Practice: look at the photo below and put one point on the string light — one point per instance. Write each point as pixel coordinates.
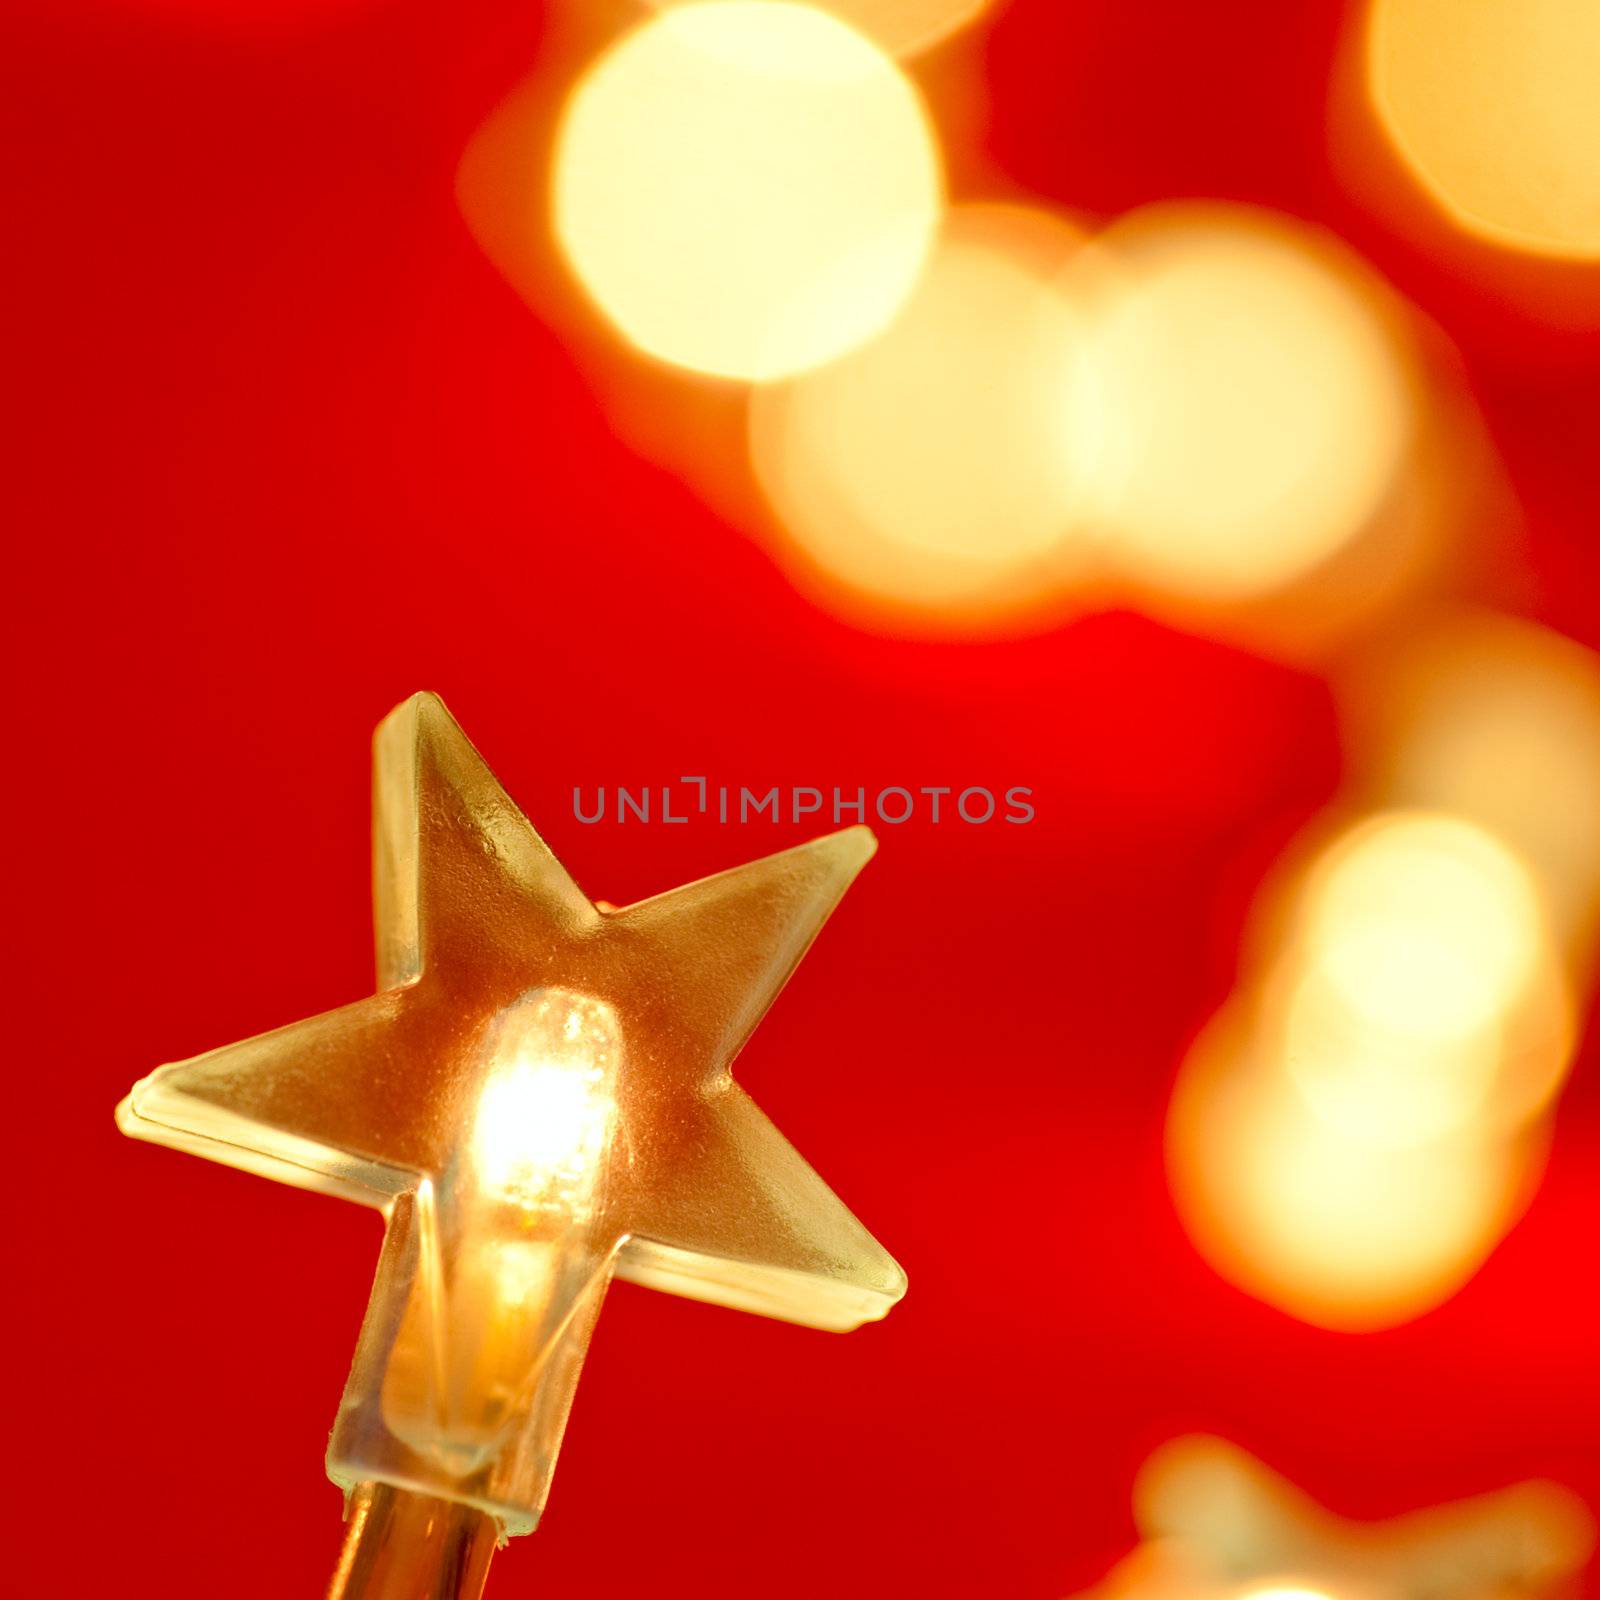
(539, 1098)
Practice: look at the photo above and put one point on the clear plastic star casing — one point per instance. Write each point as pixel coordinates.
(539, 1098)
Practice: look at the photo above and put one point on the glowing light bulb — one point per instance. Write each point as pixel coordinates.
(547, 1107)
(745, 187)
(507, 1243)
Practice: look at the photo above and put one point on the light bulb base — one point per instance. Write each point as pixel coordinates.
(417, 1415)
(404, 1546)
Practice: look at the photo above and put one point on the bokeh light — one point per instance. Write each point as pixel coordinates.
(1284, 1591)
(942, 465)
(1496, 720)
(1425, 925)
(902, 27)
(1258, 394)
(1339, 1230)
(1216, 1523)
(1403, 1089)
(746, 188)
(1492, 105)
(1385, 1087)
(1355, 1131)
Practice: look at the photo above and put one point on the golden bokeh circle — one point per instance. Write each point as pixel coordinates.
(940, 466)
(746, 188)
(1259, 403)
(1492, 105)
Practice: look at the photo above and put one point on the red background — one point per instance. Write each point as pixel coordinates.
(285, 448)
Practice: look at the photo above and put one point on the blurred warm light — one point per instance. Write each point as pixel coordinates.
(1354, 1133)
(746, 188)
(540, 1125)
(1159, 1569)
(1335, 1228)
(1376, 1084)
(1258, 397)
(1425, 925)
(942, 465)
(1495, 720)
(1492, 105)
(545, 1111)
(1217, 1524)
(1394, 1088)
(1284, 1591)
(902, 27)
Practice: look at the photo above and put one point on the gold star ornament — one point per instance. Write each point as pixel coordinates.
(539, 1098)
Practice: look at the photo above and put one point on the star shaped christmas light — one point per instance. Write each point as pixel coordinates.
(1218, 1525)
(539, 1098)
